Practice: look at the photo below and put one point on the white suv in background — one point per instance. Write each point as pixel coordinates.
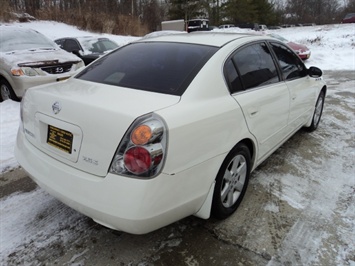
(28, 58)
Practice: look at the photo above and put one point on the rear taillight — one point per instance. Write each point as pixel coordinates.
(142, 150)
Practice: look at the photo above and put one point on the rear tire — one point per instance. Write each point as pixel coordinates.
(231, 182)
(317, 112)
(6, 91)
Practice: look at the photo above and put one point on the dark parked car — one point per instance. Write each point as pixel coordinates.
(197, 25)
(349, 18)
(88, 48)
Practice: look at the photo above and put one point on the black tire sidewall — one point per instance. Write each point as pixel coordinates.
(218, 210)
(314, 125)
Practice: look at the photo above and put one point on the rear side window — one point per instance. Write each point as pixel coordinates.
(290, 64)
(232, 77)
(256, 66)
(250, 67)
(161, 67)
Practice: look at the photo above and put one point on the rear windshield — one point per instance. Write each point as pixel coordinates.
(161, 67)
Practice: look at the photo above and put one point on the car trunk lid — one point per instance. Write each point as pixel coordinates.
(81, 123)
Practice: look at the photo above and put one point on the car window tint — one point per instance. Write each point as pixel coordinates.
(290, 64)
(232, 77)
(255, 65)
(153, 66)
(71, 45)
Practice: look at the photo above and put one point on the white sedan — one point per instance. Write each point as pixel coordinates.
(167, 127)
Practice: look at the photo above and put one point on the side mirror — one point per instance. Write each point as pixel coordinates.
(315, 72)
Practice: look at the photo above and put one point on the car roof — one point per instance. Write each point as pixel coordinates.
(85, 38)
(217, 39)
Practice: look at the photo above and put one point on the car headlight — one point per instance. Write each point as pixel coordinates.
(23, 71)
(78, 65)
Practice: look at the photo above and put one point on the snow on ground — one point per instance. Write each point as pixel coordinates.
(323, 188)
(333, 48)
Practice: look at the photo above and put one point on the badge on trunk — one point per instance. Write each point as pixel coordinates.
(56, 107)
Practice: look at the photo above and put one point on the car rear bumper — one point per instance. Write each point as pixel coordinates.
(127, 204)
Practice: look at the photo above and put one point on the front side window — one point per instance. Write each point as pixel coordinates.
(161, 67)
(290, 64)
(255, 65)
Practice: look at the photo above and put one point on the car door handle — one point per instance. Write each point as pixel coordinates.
(253, 111)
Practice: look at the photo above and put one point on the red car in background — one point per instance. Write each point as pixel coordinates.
(349, 18)
(302, 51)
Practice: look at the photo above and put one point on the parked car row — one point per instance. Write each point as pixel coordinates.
(28, 58)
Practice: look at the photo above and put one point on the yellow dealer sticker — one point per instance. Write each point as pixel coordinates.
(60, 139)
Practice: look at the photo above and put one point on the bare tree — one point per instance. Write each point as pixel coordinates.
(313, 11)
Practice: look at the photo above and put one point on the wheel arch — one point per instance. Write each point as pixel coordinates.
(8, 80)
(309, 122)
(3, 77)
(205, 211)
(8, 83)
(252, 149)
(324, 89)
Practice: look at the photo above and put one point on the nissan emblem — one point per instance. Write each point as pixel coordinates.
(56, 107)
